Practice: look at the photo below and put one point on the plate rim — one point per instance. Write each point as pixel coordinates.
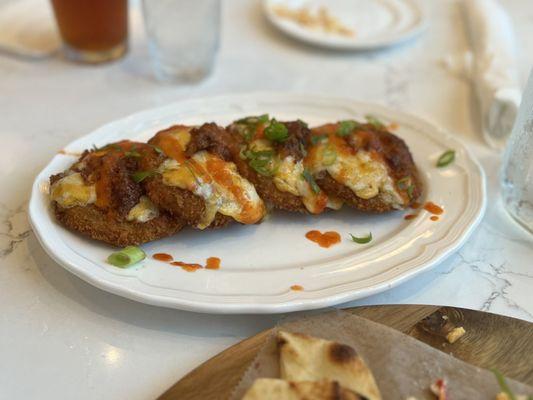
(341, 294)
(343, 45)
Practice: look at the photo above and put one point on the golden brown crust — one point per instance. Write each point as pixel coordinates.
(181, 203)
(92, 222)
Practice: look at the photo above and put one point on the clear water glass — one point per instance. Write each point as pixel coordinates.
(517, 168)
(183, 37)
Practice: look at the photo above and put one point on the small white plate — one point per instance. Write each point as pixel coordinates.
(375, 23)
(260, 263)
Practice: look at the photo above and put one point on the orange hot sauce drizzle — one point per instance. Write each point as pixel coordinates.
(212, 263)
(326, 239)
(187, 267)
(410, 216)
(393, 126)
(217, 169)
(297, 288)
(163, 257)
(434, 218)
(433, 208)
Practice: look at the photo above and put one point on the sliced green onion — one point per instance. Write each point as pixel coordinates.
(404, 183)
(156, 148)
(140, 176)
(446, 158)
(126, 257)
(317, 139)
(503, 384)
(261, 161)
(410, 191)
(264, 118)
(376, 123)
(133, 153)
(276, 131)
(347, 127)
(329, 157)
(309, 178)
(362, 240)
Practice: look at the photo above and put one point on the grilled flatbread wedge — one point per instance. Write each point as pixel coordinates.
(306, 358)
(278, 389)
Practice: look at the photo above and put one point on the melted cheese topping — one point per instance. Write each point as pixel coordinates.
(219, 184)
(289, 177)
(72, 190)
(143, 211)
(361, 171)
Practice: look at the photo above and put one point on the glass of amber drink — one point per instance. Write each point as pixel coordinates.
(93, 31)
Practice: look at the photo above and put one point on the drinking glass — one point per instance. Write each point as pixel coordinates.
(183, 37)
(517, 168)
(93, 31)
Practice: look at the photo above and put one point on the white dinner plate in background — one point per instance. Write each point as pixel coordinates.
(261, 262)
(375, 23)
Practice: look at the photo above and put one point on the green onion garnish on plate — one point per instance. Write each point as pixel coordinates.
(446, 158)
(126, 257)
(362, 240)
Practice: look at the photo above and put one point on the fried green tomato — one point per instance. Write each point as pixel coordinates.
(99, 197)
(364, 165)
(194, 178)
(271, 156)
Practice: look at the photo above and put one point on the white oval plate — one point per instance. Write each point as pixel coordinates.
(261, 262)
(376, 23)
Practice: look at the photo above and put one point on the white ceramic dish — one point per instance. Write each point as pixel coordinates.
(375, 23)
(261, 262)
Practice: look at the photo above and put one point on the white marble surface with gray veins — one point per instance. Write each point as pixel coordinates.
(62, 338)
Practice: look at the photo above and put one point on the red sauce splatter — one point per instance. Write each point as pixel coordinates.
(186, 266)
(415, 205)
(212, 263)
(297, 288)
(163, 257)
(434, 218)
(326, 239)
(410, 216)
(433, 208)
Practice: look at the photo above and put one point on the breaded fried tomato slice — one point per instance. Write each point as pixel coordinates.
(194, 178)
(271, 156)
(99, 197)
(364, 165)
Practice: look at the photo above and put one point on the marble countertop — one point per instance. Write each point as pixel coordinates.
(62, 338)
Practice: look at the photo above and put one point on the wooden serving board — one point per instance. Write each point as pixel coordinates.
(491, 341)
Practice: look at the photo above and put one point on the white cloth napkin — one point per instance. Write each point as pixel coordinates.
(494, 68)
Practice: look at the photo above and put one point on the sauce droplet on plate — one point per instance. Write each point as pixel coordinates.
(433, 208)
(434, 218)
(410, 216)
(326, 239)
(187, 267)
(162, 257)
(297, 288)
(212, 263)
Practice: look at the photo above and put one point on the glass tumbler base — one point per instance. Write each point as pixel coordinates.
(92, 56)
